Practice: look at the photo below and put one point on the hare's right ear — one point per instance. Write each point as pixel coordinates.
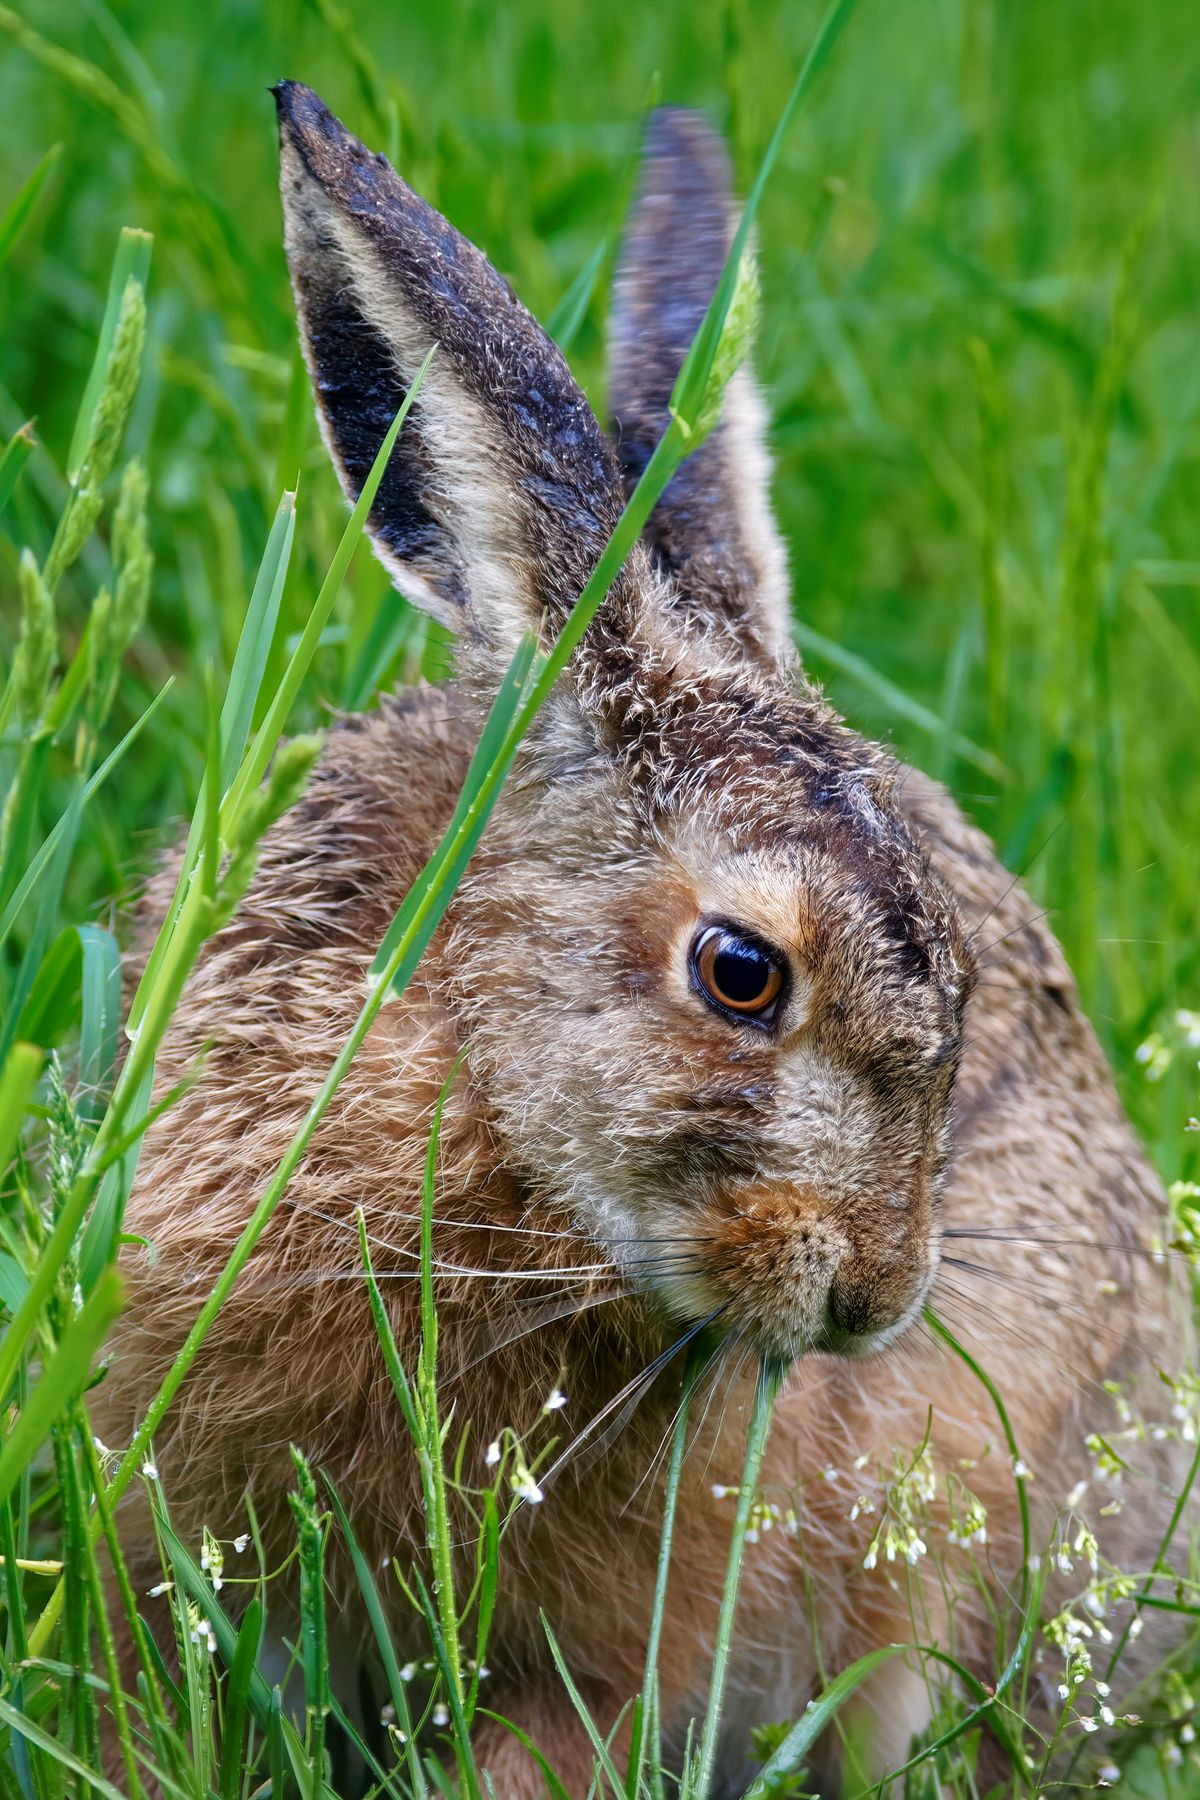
(502, 489)
(712, 530)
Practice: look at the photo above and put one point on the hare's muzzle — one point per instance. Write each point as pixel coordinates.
(795, 1270)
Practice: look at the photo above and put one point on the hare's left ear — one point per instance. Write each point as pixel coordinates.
(502, 489)
(713, 529)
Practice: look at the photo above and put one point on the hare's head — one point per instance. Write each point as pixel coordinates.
(714, 994)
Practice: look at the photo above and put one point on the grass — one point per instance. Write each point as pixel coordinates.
(978, 255)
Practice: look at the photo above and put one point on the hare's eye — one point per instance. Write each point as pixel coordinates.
(737, 973)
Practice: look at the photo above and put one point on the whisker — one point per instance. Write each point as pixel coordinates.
(1033, 919)
(996, 1235)
(549, 1316)
(1018, 877)
(634, 1389)
(961, 1311)
(712, 1366)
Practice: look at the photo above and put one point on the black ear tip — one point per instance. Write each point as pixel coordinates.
(303, 113)
(284, 94)
(679, 131)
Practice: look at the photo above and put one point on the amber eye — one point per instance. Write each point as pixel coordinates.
(737, 973)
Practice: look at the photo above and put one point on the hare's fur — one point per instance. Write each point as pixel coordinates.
(614, 1159)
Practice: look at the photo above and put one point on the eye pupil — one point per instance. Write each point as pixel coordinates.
(737, 973)
(740, 971)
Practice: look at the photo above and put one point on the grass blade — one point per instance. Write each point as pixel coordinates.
(100, 987)
(898, 703)
(599, 1747)
(237, 714)
(397, 1689)
(22, 1067)
(689, 395)
(16, 453)
(68, 821)
(554, 1786)
(237, 1700)
(19, 210)
(271, 730)
(765, 1389)
(61, 1381)
(789, 1756)
(34, 1734)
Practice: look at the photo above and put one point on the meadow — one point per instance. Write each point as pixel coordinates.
(978, 252)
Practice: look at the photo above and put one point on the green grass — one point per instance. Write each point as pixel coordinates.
(979, 251)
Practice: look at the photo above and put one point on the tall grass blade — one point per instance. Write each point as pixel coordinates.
(397, 1688)
(100, 984)
(599, 1748)
(689, 400)
(22, 1066)
(237, 1701)
(254, 766)
(92, 1782)
(766, 1387)
(68, 822)
(16, 453)
(19, 210)
(61, 1381)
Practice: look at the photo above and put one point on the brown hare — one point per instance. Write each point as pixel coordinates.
(757, 1030)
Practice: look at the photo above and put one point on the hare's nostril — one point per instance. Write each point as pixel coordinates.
(849, 1309)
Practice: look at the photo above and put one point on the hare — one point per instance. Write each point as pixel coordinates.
(757, 1030)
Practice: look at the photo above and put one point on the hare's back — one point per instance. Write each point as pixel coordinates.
(1050, 1196)
(1033, 1081)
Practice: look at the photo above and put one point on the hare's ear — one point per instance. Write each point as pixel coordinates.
(502, 488)
(713, 528)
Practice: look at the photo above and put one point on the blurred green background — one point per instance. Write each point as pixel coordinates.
(980, 263)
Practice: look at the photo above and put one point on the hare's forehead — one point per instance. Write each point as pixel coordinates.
(785, 888)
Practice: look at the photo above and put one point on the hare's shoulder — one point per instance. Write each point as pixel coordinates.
(335, 867)
(284, 976)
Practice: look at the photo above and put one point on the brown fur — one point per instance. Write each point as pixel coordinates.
(613, 1150)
